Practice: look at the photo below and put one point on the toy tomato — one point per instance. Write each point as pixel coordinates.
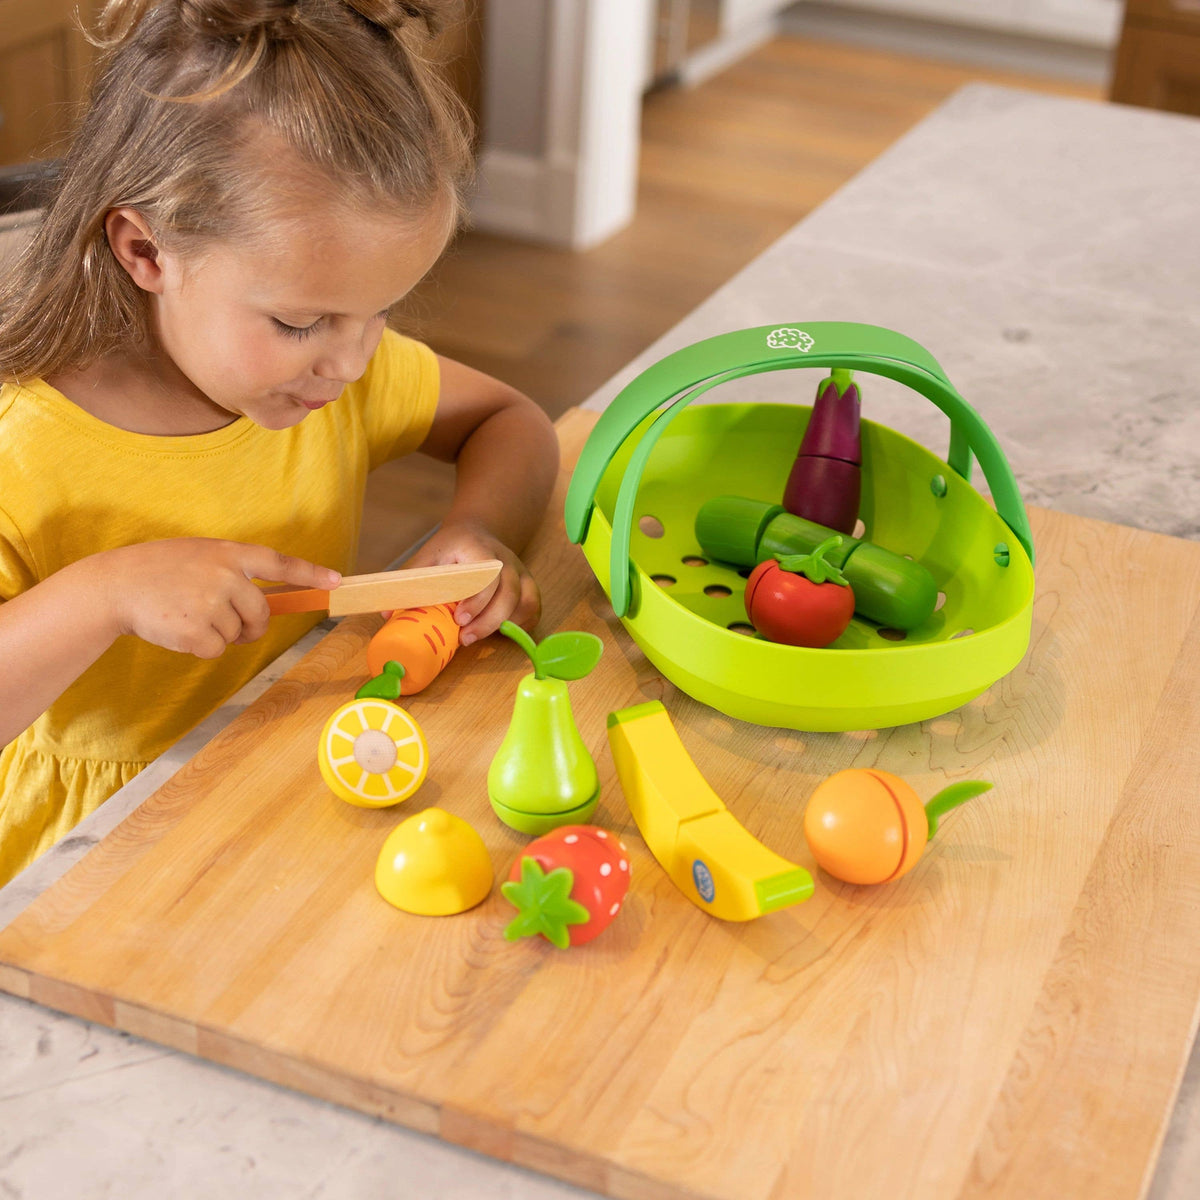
(800, 599)
(567, 886)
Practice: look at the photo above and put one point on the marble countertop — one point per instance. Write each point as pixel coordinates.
(1046, 251)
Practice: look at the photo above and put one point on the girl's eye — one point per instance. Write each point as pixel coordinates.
(299, 332)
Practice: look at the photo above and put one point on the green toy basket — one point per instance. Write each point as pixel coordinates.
(652, 460)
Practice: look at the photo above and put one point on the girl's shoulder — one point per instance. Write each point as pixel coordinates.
(18, 401)
(400, 353)
(396, 397)
(401, 369)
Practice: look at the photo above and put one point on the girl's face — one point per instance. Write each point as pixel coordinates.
(276, 331)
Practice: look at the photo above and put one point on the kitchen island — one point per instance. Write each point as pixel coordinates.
(1044, 251)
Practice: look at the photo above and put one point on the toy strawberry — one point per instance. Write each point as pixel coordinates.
(567, 886)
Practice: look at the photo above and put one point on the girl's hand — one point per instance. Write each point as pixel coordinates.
(511, 596)
(195, 595)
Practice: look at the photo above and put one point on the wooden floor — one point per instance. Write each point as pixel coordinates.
(726, 168)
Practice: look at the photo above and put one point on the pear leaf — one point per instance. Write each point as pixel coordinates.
(544, 905)
(570, 654)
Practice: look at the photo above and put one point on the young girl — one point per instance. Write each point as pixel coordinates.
(198, 378)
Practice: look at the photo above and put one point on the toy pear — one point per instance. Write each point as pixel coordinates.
(543, 776)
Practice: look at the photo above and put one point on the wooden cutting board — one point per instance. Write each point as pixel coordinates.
(1010, 1019)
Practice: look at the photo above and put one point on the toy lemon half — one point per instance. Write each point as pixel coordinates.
(434, 864)
(372, 753)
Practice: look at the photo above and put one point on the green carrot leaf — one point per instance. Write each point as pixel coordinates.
(385, 685)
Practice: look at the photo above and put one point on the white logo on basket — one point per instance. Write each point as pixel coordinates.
(789, 339)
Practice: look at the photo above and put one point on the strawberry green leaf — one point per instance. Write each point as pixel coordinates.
(544, 905)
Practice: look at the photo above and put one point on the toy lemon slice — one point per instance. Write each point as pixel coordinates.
(372, 753)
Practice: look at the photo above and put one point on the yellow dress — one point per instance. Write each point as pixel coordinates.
(72, 485)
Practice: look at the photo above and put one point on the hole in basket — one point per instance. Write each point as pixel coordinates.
(1000, 554)
(694, 560)
(860, 528)
(962, 633)
(742, 628)
(717, 590)
(892, 635)
(665, 581)
(652, 527)
(746, 572)
(941, 602)
(937, 485)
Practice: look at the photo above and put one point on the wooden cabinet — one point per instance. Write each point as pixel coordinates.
(1158, 59)
(44, 61)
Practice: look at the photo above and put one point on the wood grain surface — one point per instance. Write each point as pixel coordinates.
(1010, 1019)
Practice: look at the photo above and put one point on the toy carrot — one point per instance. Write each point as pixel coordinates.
(421, 640)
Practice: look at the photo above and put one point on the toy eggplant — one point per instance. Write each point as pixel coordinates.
(825, 483)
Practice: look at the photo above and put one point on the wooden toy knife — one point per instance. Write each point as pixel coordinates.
(408, 588)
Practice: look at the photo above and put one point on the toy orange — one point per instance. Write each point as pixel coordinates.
(868, 826)
(421, 640)
(372, 753)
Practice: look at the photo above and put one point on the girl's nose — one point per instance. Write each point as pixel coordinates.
(345, 360)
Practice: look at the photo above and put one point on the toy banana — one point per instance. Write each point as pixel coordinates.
(709, 856)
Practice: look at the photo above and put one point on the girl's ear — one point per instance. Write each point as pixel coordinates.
(132, 243)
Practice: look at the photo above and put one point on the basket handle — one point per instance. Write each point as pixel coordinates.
(681, 377)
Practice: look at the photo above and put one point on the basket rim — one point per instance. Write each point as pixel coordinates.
(703, 365)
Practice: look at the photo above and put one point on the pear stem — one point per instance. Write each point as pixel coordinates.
(511, 630)
(952, 797)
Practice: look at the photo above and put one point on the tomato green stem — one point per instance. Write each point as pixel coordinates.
(813, 566)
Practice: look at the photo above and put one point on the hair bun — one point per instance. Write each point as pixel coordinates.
(394, 14)
(236, 18)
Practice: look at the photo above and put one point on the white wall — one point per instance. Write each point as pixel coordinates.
(561, 116)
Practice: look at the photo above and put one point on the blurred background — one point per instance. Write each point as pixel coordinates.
(635, 154)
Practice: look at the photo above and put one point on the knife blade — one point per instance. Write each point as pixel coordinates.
(409, 587)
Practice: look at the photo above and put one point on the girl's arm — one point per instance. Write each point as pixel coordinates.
(193, 595)
(506, 456)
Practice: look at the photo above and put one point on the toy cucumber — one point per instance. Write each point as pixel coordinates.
(889, 589)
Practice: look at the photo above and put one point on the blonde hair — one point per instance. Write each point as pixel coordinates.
(183, 94)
